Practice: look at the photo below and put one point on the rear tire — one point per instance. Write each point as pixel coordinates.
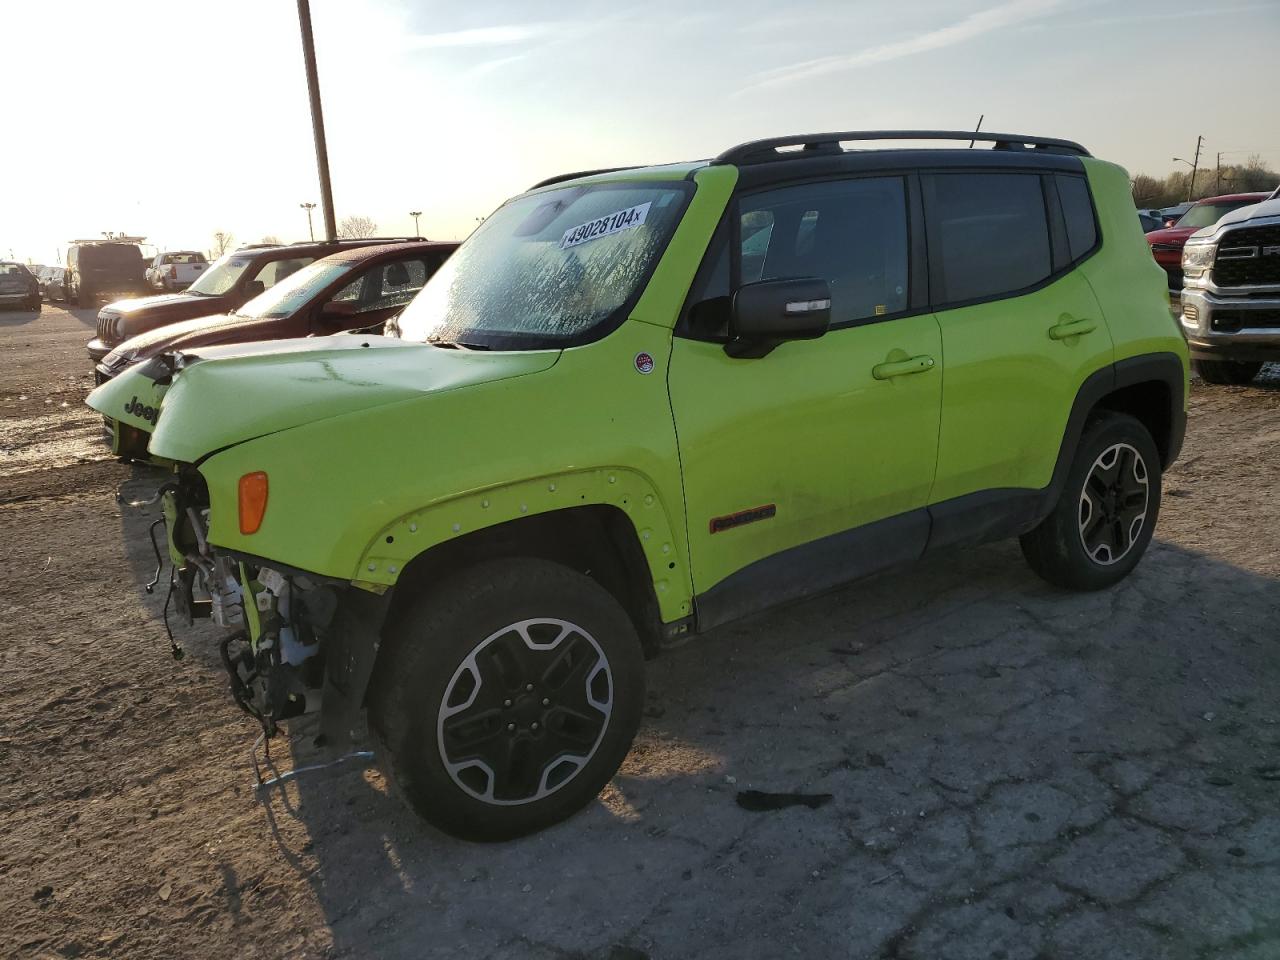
(506, 697)
(1226, 372)
(1106, 514)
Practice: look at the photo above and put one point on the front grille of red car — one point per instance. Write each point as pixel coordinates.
(1248, 257)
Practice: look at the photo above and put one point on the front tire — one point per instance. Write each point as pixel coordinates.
(506, 697)
(1104, 519)
(1226, 372)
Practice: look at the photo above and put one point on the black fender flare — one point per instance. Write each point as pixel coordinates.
(1165, 368)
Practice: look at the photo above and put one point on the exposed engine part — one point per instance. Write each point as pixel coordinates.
(197, 527)
(226, 595)
(150, 502)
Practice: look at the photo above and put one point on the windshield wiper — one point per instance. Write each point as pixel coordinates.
(457, 344)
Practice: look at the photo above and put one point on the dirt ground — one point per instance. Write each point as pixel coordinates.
(1018, 773)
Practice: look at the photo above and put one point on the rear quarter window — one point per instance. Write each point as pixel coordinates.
(1077, 211)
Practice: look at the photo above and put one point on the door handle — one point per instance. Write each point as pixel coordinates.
(1071, 328)
(901, 368)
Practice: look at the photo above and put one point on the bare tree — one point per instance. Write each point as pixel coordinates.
(357, 227)
(223, 241)
(270, 238)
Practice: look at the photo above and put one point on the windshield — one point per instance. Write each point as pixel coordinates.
(1206, 214)
(222, 276)
(293, 291)
(545, 270)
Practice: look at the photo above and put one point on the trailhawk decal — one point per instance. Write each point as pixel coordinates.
(606, 225)
(767, 512)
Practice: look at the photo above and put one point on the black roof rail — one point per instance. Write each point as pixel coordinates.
(811, 144)
(561, 178)
(311, 243)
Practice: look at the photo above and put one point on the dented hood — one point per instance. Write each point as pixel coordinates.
(207, 399)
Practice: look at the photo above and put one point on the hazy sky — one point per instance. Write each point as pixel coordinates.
(175, 119)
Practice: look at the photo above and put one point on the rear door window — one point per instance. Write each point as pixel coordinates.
(989, 234)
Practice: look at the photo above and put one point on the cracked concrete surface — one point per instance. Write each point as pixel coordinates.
(1017, 772)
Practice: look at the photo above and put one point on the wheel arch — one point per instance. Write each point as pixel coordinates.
(608, 523)
(1150, 387)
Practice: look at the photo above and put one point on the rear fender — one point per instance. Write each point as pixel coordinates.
(631, 492)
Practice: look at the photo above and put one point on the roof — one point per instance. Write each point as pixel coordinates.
(388, 249)
(1252, 197)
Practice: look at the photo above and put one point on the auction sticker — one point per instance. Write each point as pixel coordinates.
(605, 226)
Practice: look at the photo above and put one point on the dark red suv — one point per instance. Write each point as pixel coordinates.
(233, 280)
(1166, 244)
(353, 289)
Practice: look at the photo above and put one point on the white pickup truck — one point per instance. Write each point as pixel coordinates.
(176, 270)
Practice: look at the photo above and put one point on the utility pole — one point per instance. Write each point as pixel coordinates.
(415, 214)
(1195, 165)
(310, 229)
(1217, 175)
(317, 120)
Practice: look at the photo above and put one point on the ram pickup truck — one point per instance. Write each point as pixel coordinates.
(1231, 294)
(1166, 244)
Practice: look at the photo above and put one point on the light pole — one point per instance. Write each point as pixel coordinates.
(415, 214)
(317, 120)
(311, 230)
(1194, 165)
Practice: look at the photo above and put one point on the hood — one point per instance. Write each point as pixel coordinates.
(221, 396)
(198, 331)
(1175, 236)
(159, 302)
(1267, 208)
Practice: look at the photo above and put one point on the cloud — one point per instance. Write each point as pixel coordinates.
(971, 27)
(499, 36)
(491, 66)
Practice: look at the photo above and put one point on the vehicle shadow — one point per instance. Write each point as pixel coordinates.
(86, 315)
(975, 730)
(16, 318)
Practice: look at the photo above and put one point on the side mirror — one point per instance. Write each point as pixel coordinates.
(339, 309)
(253, 287)
(766, 313)
(335, 316)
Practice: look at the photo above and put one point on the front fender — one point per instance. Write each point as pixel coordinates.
(410, 535)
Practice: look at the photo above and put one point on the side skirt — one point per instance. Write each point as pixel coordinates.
(819, 566)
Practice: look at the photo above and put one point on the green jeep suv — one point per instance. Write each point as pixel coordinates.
(640, 403)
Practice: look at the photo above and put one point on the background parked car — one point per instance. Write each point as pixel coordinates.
(1150, 220)
(230, 281)
(18, 288)
(356, 289)
(99, 269)
(53, 283)
(1166, 244)
(1172, 214)
(176, 270)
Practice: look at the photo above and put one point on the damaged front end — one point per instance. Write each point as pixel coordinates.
(295, 642)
